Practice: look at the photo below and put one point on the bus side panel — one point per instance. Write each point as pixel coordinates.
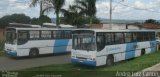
(44, 47)
(60, 46)
(69, 47)
(22, 52)
(153, 45)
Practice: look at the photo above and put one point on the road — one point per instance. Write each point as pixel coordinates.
(12, 64)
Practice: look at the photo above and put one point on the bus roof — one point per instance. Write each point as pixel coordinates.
(105, 30)
(82, 29)
(41, 28)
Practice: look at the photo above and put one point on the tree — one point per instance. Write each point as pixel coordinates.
(35, 2)
(55, 5)
(14, 18)
(72, 16)
(76, 18)
(88, 7)
(42, 19)
(151, 21)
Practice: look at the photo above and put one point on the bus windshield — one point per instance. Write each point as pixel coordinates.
(11, 38)
(84, 42)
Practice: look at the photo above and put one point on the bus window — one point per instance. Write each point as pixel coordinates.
(83, 42)
(46, 34)
(11, 38)
(119, 38)
(134, 37)
(34, 34)
(109, 38)
(100, 43)
(128, 37)
(67, 35)
(22, 37)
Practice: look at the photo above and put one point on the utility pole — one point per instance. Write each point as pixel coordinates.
(110, 24)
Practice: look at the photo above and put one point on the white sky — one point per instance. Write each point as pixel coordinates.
(152, 8)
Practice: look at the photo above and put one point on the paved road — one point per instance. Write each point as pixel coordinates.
(8, 64)
(153, 68)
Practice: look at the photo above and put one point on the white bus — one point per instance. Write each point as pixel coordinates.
(100, 47)
(35, 41)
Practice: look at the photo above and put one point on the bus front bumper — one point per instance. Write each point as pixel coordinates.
(84, 62)
(11, 53)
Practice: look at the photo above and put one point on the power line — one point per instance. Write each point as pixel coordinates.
(136, 7)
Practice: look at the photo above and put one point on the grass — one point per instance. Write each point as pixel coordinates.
(2, 53)
(72, 70)
(2, 45)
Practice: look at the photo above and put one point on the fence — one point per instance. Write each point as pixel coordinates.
(2, 45)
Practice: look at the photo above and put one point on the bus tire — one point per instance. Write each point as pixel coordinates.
(110, 60)
(34, 52)
(142, 52)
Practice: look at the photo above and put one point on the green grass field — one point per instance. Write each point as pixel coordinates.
(72, 70)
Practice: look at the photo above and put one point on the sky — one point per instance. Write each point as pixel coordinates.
(122, 9)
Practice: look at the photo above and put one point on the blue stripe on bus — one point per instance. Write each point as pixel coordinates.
(11, 53)
(130, 50)
(60, 46)
(85, 62)
(153, 46)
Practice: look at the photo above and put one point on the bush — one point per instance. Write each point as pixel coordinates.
(2, 45)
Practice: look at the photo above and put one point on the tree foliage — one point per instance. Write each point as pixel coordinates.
(56, 6)
(88, 7)
(14, 18)
(42, 19)
(151, 21)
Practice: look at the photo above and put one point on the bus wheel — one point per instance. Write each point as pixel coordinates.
(142, 52)
(34, 52)
(110, 60)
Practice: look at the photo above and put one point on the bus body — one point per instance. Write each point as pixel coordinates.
(35, 41)
(158, 38)
(100, 47)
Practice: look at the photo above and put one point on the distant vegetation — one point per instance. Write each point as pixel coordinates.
(22, 18)
(18, 18)
(152, 21)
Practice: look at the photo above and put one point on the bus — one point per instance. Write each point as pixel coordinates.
(96, 47)
(35, 41)
(158, 38)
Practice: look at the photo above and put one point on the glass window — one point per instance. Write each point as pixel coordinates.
(109, 38)
(119, 38)
(67, 35)
(54, 34)
(100, 43)
(84, 42)
(22, 37)
(152, 35)
(46, 34)
(11, 38)
(34, 34)
(136, 37)
(128, 37)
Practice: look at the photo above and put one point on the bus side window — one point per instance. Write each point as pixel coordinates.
(100, 42)
(128, 37)
(134, 37)
(109, 38)
(119, 38)
(34, 35)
